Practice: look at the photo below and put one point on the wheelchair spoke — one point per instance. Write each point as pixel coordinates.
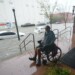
(52, 56)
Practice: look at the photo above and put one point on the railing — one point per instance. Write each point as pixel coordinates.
(63, 31)
(25, 44)
(58, 34)
(24, 41)
(66, 29)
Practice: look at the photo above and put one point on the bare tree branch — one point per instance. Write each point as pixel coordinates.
(46, 7)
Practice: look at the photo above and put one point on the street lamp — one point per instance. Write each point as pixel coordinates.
(14, 14)
(74, 19)
(16, 24)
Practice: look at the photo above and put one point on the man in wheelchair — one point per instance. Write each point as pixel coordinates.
(46, 43)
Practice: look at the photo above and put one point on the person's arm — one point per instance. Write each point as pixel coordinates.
(49, 38)
(42, 40)
(53, 37)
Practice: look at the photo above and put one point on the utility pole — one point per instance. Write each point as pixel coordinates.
(73, 36)
(16, 24)
(74, 19)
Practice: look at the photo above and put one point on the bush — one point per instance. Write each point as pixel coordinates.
(57, 71)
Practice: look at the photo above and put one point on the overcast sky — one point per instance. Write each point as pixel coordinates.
(25, 9)
(67, 4)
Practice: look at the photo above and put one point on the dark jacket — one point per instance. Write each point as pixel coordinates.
(49, 38)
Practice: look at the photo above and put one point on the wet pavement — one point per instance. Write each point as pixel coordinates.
(21, 65)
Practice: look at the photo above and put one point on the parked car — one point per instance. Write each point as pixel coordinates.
(39, 28)
(27, 25)
(9, 34)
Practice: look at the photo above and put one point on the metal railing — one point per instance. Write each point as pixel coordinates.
(65, 29)
(24, 41)
(25, 44)
(57, 34)
(64, 32)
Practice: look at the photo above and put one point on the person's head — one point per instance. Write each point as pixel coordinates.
(47, 28)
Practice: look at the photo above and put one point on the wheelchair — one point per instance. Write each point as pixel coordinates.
(51, 53)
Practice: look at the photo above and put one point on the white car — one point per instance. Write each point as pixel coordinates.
(9, 34)
(39, 28)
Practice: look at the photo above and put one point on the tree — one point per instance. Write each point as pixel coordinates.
(47, 9)
(56, 18)
(64, 13)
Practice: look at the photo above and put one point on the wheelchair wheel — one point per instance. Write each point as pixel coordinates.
(54, 56)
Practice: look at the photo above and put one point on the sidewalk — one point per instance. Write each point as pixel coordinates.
(20, 65)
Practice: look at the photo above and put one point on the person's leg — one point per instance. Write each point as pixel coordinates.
(39, 54)
(38, 63)
(35, 55)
